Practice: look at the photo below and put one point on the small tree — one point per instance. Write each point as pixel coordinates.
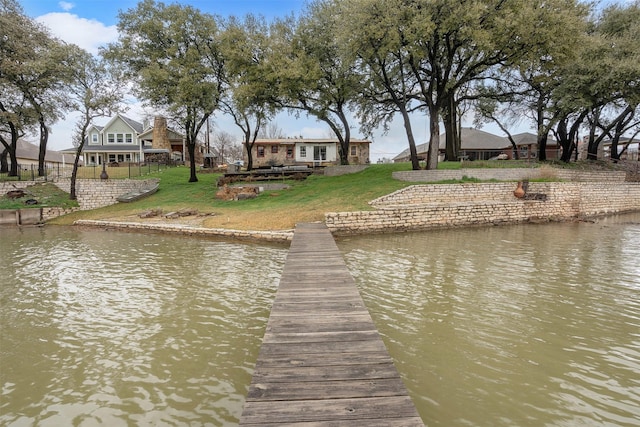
(248, 99)
(95, 91)
(172, 53)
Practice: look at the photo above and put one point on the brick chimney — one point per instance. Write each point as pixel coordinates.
(160, 133)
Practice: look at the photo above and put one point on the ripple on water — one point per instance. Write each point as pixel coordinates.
(524, 325)
(122, 328)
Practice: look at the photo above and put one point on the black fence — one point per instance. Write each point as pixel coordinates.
(112, 170)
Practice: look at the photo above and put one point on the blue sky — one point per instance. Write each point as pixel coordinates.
(92, 23)
(106, 11)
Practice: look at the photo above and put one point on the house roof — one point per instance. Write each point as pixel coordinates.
(475, 139)
(110, 148)
(28, 151)
(136, 126)
(173, 134)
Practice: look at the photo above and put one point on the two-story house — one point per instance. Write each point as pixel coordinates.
(310, 152)
(123, 140)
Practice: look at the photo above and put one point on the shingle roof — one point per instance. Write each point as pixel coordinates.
(28, 151)
(137, 126)
(475, 139)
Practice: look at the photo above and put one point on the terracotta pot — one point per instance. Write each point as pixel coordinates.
(519, 192)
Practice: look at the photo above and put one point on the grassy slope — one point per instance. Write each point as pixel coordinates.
(46, 193)
(306, 200)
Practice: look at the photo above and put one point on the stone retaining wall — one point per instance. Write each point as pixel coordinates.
(93, 193)
(421, 207)
(508, 174)
(343, 169)
(280, 236)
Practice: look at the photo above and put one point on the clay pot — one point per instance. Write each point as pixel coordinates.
(519, 192)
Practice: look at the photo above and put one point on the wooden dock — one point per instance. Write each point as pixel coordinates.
(322, 361)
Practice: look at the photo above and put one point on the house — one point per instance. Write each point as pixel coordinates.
(480, 145)
(123, 140)
(27, 155)
(631, 153)
(310, 152)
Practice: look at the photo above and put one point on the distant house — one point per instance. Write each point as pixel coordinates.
(631, 153)
(27, 155)
(123, 140)
(310, 152)
(480, 145)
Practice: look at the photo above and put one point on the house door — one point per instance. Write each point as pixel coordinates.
(319, 153)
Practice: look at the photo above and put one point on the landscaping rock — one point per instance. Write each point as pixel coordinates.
(150, 213)
(236, 193)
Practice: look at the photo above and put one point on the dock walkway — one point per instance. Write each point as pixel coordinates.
(322, 361)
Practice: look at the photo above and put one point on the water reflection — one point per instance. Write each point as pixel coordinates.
(117, 329)
(523, 325)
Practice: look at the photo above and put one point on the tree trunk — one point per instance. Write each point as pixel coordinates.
(191, 147)
(13, 169)
(450, 119)
(434, 138)
(4, 163)
(415, 163)
(74, 172)
(542, 132)
(44, 138)
(249, 147)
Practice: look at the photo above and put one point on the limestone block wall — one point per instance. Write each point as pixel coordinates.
(93, 194)
(343, 169)
(422, 207)
(508, 174)
(13, 185)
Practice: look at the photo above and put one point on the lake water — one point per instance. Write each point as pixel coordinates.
(528, 325)
(519, 325)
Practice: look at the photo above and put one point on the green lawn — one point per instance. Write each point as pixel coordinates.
(306, 200)
(46, 193)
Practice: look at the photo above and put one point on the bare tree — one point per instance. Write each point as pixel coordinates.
(222, 145)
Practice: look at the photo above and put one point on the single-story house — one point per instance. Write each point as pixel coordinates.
(123, 140)
(27, 155)
(310, 152)
(480, 145)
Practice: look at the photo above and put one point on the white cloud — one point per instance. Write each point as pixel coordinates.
(89, 34)
(66, 6)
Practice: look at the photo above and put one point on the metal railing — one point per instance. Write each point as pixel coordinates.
(58, 171)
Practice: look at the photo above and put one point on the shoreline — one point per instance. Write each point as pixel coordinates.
(273, 236)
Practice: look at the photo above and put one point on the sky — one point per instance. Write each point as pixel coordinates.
(92, 23)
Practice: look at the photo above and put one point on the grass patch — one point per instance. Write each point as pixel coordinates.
(306, 200)
(47, 195)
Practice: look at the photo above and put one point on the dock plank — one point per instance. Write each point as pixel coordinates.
(322, 361)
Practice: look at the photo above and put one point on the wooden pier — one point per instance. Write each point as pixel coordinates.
(322, 361)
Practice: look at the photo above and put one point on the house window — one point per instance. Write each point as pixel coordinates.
(289, 152)
(354, 150)
(128, 138)
(303, 151)
(120, 138)
(94, 138)
(112, 158)
(274, 149)
(260, 151)
(111, 138)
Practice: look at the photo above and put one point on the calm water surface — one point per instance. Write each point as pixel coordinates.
(504, 326)
(118, 329)
(532, 325)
